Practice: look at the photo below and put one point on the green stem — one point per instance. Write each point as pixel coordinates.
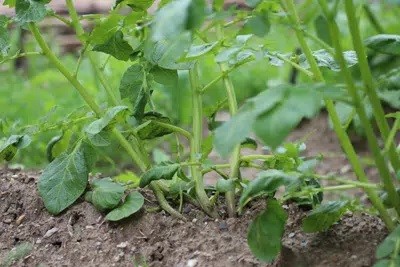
(372, 18)
(195, 144)
(235, 156)
(371, 138)
(174, 128)
(392, 134)
(295, 65)
(369, 85)
(256, 157)
(26, 54)
(62, 19)
(341, 134)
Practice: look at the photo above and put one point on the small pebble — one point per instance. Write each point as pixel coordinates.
(187, 209)
(51, 232)
(223, 226)
(7, 221)
(191, 263)
(291, 235)
(123, 244)
(89, 227)
(39, 241)
(194, 220)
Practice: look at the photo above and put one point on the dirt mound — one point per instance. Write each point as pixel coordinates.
(81, 237)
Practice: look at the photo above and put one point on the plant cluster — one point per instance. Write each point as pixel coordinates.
(173, 42)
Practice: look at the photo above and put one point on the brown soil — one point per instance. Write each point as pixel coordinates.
(81, 237)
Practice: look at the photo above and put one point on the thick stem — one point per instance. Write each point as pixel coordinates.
(195, 144)
(369, 85)
(341, 134)
(235, 156)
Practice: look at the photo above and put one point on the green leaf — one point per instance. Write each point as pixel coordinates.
(132, 82)
(224, 185)
(106, 29)
(106, 194)
(275, 124)
(136, 4)
(159, 172)
(207, 146)
(165, 77)
(100, 139)
(249, 143)
(253, 3)
(29, 11)
(258, 24)
(4, 36)
(234, 131)
(321, 218)
(167, 53)
(196, 51)
(387, 247)
(177, 17)
(384, 43)
(266, 182)
(63, 181)
(9, 147)
(151, 129)
(110, 117)
(325, 59)
(116, 46)
(322, 29)
(133, 203)
(266, 231)
(128, 178)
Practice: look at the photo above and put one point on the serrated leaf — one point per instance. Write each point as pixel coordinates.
(110, 117)
(151, 129)
(266, 182)
(9, 147)
(196, 51)
(132, 82)
(321, 218)
(159, 172)
(29, 11)
(224, 185)
(133, 203)
(116, 46)
(106, 194)
(266, 231)
(384, 43)
(105, 29)
(63, 181)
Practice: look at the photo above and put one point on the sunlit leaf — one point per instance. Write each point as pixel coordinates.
(133, 203)
(116, 46)
(159, 172)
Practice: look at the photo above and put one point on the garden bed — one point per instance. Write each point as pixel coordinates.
(81, 237)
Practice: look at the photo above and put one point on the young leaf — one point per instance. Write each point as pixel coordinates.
(105, 194)
(29, 11)
(128, 178)
(9, 148)
(111, 116)
(266, 231)
(266, 182)
(133, 202)
(258, 24)
(384, 43)
(321, 218)
(160, 172)
(63, 181)
(322, 29)
(116, 46)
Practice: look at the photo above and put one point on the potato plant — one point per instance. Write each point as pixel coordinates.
(172, 41)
